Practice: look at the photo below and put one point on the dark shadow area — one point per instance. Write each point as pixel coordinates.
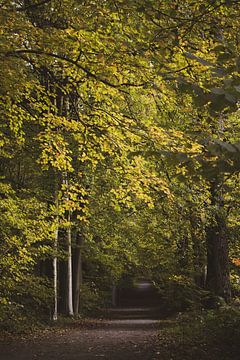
(134, 313)
(142, 293)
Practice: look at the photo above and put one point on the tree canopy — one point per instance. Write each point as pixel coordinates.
(120, 152)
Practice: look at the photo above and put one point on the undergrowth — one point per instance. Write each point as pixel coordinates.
(206, 335)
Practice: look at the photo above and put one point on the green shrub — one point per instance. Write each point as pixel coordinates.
(209, 334)
(27, 304)
(91, 298)
(180, 293)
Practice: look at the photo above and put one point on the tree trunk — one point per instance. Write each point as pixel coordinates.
(55, 263)
(55, 277)
(78, 274)
(218, 278)
(69, 269)
(114, 295)
(69, 294)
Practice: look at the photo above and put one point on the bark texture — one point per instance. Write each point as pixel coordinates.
(218, 277)
(78, 274)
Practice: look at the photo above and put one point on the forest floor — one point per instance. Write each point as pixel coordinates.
(127, 334)
(132, 334)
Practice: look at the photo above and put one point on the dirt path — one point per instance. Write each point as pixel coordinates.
(128, 335)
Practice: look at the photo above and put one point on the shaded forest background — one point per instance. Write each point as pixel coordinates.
(119, 158)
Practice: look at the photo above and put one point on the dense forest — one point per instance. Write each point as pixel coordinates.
(119, 153)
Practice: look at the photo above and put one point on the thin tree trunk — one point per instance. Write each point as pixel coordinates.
(114, 295)
(78, 272)
(55, 264)
(69, 269)
(55, 277)
(69, 293)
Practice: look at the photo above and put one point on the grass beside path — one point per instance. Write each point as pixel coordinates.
(207, 335)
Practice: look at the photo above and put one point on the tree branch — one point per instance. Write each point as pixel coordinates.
(32, 6)
(75, 63)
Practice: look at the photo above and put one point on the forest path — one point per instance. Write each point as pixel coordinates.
(129, 334)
